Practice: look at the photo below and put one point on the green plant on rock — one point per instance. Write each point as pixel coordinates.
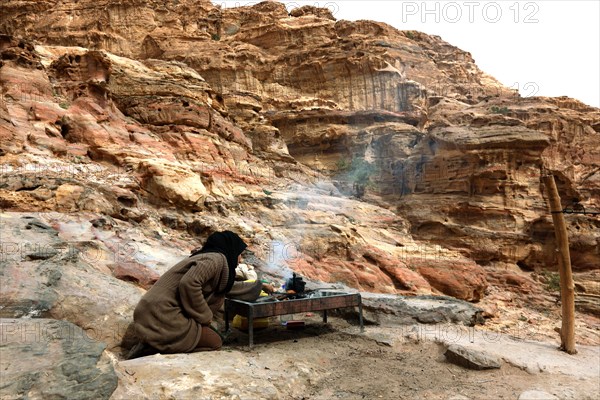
(552, 280)
(342, 164)
(523, 318)
(499, 110)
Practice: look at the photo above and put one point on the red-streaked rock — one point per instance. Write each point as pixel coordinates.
(451, 157)
(463, 280)
(136, 273)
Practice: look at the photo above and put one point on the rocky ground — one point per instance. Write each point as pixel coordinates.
(335, 361)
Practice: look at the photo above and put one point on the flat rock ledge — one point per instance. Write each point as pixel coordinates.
(385, 309)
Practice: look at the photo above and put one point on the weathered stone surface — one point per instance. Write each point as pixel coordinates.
(388, 309)
(463, 280)
(274, 369)
(350, 152)
(515, 348)
(172, 183)
(64, 272)
(49, 359)
(469, 358)
(501, 203)
(536, 395)
(180, 376)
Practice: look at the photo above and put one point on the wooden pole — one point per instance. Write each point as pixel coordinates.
(567, 288)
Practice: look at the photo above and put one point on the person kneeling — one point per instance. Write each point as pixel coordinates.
(175, 315)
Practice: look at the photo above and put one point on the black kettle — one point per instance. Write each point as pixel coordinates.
(295, 283)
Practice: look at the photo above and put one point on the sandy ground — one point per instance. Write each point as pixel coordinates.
(336, 361)
(408, 363)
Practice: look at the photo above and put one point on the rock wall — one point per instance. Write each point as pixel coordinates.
(255, 95)
(151, 142)
(350, 152)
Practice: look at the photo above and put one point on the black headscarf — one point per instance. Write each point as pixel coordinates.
(230, 245)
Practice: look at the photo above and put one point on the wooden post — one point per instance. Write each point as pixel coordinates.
(567, 288)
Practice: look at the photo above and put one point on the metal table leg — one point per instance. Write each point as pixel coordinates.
(360, 315)
(226, 316)
(251, 327)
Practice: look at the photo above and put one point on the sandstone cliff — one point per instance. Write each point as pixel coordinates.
(202, 102)
(351, 152)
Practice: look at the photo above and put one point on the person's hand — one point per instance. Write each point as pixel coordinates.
(268, 288)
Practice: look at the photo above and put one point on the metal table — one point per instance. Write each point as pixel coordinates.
(322, 302)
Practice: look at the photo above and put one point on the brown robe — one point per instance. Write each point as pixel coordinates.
(170, 315)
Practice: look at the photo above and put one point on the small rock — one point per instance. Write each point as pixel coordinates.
(42, 194)
(536, 395)
(38, 224)
(469, 358)
(172, 182)
(67, 196)
(99, 222)
(42, 254)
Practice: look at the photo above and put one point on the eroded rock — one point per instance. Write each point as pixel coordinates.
(386, 309)
(46, 273)
(470, 358)
(43, 358)
(386, 159)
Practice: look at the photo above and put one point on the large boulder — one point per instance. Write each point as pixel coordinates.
(50, 359)
(44, 275)
(385, 309)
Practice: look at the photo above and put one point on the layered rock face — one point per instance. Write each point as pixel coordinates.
(136, 133)
(329, 92)
(404, 116)
(348, 151)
